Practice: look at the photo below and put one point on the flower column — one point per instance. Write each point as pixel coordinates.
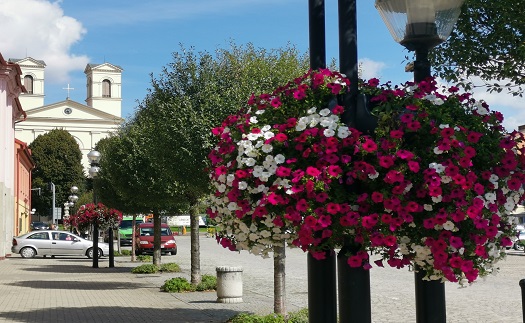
(428, 23)
(94, 159)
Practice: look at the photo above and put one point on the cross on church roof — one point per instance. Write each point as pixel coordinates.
(67, 88)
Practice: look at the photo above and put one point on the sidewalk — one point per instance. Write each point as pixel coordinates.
(70, 290)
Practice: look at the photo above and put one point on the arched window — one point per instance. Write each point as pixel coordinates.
(28, 84)
(106, 89)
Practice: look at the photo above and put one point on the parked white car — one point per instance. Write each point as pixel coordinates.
(55, 243)
(520, 236)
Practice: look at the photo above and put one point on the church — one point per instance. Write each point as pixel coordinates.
(87, 122)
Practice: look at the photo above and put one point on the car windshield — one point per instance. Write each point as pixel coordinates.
(126, 224)
(38, 224)
(149, 232)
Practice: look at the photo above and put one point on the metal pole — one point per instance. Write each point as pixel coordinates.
(430, 294)
(522, 285)
(53, 206)
(347, 13)
(316, 23)
(111, 249)
(353, 283)
(95, 235)
(430, 300)
(95, 245)
(421, 65)
(322, 294)
(354, 290)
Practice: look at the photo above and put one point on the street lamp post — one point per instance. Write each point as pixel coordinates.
(322, 293)
(94, 159)
(72, 199)
(419, 26)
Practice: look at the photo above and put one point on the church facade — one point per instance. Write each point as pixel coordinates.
(87, 123)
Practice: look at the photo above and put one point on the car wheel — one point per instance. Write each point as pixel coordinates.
(174, 252)
(137, 252)
(518, 246)
(28, 252)
(89, 253)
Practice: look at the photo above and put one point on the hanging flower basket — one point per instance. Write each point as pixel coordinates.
(433, 187)
(88, 214)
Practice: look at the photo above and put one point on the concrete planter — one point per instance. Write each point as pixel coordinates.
(229, 284)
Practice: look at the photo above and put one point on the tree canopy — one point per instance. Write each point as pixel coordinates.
(58, 160)
(488, 41)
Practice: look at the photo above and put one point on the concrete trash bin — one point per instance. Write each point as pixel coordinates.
(229, 284)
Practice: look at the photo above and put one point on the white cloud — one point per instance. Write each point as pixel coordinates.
(39, 29)
(369, 69)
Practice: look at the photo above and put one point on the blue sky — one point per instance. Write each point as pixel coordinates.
(140, 36)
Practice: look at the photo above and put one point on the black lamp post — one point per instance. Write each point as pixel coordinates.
(72, 199)
(322, 293)
(420, 25)
(94, 158)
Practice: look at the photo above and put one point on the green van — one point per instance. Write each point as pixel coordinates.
(126, 230)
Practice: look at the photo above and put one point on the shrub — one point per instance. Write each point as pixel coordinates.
(300, 316)
(170, 268)
(125, 252)
(177, 285)
(144, 258)
(254, 318)
(145, 269)
(209, 282)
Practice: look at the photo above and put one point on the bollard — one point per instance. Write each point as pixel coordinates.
(522, 285)
(229, 284)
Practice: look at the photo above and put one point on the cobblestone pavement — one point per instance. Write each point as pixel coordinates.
(70, 290)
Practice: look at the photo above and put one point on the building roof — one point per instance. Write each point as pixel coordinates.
(16, 60)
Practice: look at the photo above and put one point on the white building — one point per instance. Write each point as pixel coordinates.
(87, 123)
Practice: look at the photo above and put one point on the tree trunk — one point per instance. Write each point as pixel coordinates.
(279, 279)
(156, 238)
(195, 244)
(133, 238)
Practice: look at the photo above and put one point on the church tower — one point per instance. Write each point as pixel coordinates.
(33, 80)
(104, 87)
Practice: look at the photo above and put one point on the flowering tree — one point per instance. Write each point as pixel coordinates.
(432, 188)
(89, 214)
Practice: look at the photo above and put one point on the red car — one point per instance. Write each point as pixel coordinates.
(145, 239)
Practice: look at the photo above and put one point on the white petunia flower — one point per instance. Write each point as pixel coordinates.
(268, 135)
(243, 185)
(312, 110)
(253, 119)
(249, 161)
(343, 132)
(449, 226)
(279, 158)
(266, 128)
(329, 133)
(267, 148)
(324, 112)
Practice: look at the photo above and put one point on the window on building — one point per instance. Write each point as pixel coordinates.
(28, 84)
(106, 89)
